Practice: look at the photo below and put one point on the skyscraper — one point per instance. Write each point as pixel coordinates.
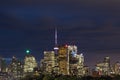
(70, 62)
(76, 61)
(63, 60)
(29, 63)
(49, 62)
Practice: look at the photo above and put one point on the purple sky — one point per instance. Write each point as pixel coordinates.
(94, 26)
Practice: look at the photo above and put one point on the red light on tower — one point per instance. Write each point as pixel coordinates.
(66, 45)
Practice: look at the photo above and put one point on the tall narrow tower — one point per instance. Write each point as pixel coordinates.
(56, 68)
(56, 43)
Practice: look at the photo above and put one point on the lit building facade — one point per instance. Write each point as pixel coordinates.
(72, 51)
(116, 68)
(56, 67)
(15, 69)
(82, 70)
(49, 61)
(76, 61)
(63, 57)
(29, 63)
(70, 62)
(104, 67)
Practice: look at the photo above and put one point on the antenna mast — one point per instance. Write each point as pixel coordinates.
(56, 43)
(55, 36)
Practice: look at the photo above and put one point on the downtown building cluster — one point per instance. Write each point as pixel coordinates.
(17, 69)
(67, 61)
(105, 68)
(63, 60)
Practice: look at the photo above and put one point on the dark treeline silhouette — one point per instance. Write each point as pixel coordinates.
(65, 77)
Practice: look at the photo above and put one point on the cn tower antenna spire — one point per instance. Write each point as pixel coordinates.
(56, 43)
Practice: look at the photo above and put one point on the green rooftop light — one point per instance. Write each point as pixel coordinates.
(28, 51)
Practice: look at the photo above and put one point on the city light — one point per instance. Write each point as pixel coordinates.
(27, 51)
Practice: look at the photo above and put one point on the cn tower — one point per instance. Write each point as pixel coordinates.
(56, 43)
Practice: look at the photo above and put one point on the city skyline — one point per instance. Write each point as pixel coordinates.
(93, 27)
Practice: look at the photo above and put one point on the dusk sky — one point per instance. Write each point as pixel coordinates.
(93, 26)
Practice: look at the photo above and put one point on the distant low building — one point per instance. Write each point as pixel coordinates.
(104, 68)
(3, 66)
(116, 68)
(4, 76)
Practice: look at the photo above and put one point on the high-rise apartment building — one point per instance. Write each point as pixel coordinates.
(29, 63)
(63, 60)
(49, 61)
(76, 61)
